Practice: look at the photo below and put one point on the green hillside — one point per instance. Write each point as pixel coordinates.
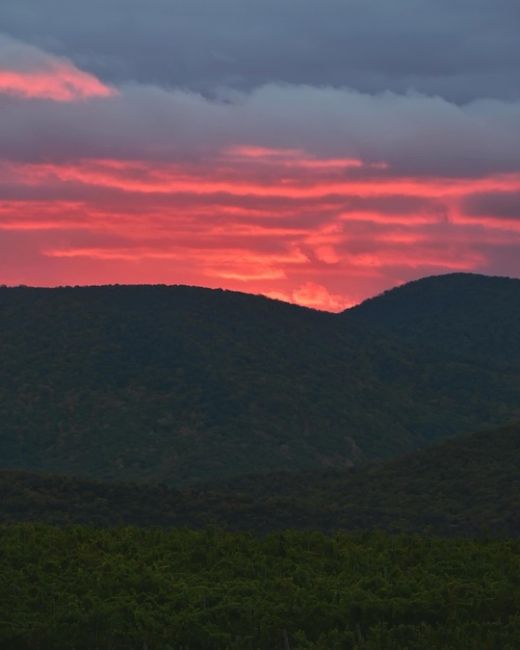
(469, 486)
(186, 385)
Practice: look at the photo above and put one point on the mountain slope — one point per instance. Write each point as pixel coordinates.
(184, 385)
(469, 486)
(466, 486)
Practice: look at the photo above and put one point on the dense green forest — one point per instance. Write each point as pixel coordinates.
(126, 589)
(466, 487)
(184, 385)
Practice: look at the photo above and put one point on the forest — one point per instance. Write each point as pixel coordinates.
(127, 588)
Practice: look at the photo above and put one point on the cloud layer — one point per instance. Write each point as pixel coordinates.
(460, 50)
(317, 193)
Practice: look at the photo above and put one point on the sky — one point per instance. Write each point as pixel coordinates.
(315, 152)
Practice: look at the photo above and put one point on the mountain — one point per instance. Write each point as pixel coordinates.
(186, 385)
(465, 487)
(473, 317)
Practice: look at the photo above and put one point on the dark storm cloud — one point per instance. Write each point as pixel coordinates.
(502, 205)
(460, 49)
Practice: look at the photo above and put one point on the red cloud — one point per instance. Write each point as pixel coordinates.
(324, 233)
(30, 73)
(239, 180)
(62, 83)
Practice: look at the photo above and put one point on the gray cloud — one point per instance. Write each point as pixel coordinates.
(503, 205)
(501, 260)
(461, 50)
(413, 133)
(23, 57)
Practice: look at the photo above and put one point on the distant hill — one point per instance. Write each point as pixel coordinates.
(185, 385)
(466, 487)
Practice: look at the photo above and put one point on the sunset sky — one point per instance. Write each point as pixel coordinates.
(316, 152)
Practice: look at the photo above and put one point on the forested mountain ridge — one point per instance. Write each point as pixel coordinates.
(185, 385)
(464, 487)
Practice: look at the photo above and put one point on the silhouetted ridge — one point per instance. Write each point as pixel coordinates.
(185, 385)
